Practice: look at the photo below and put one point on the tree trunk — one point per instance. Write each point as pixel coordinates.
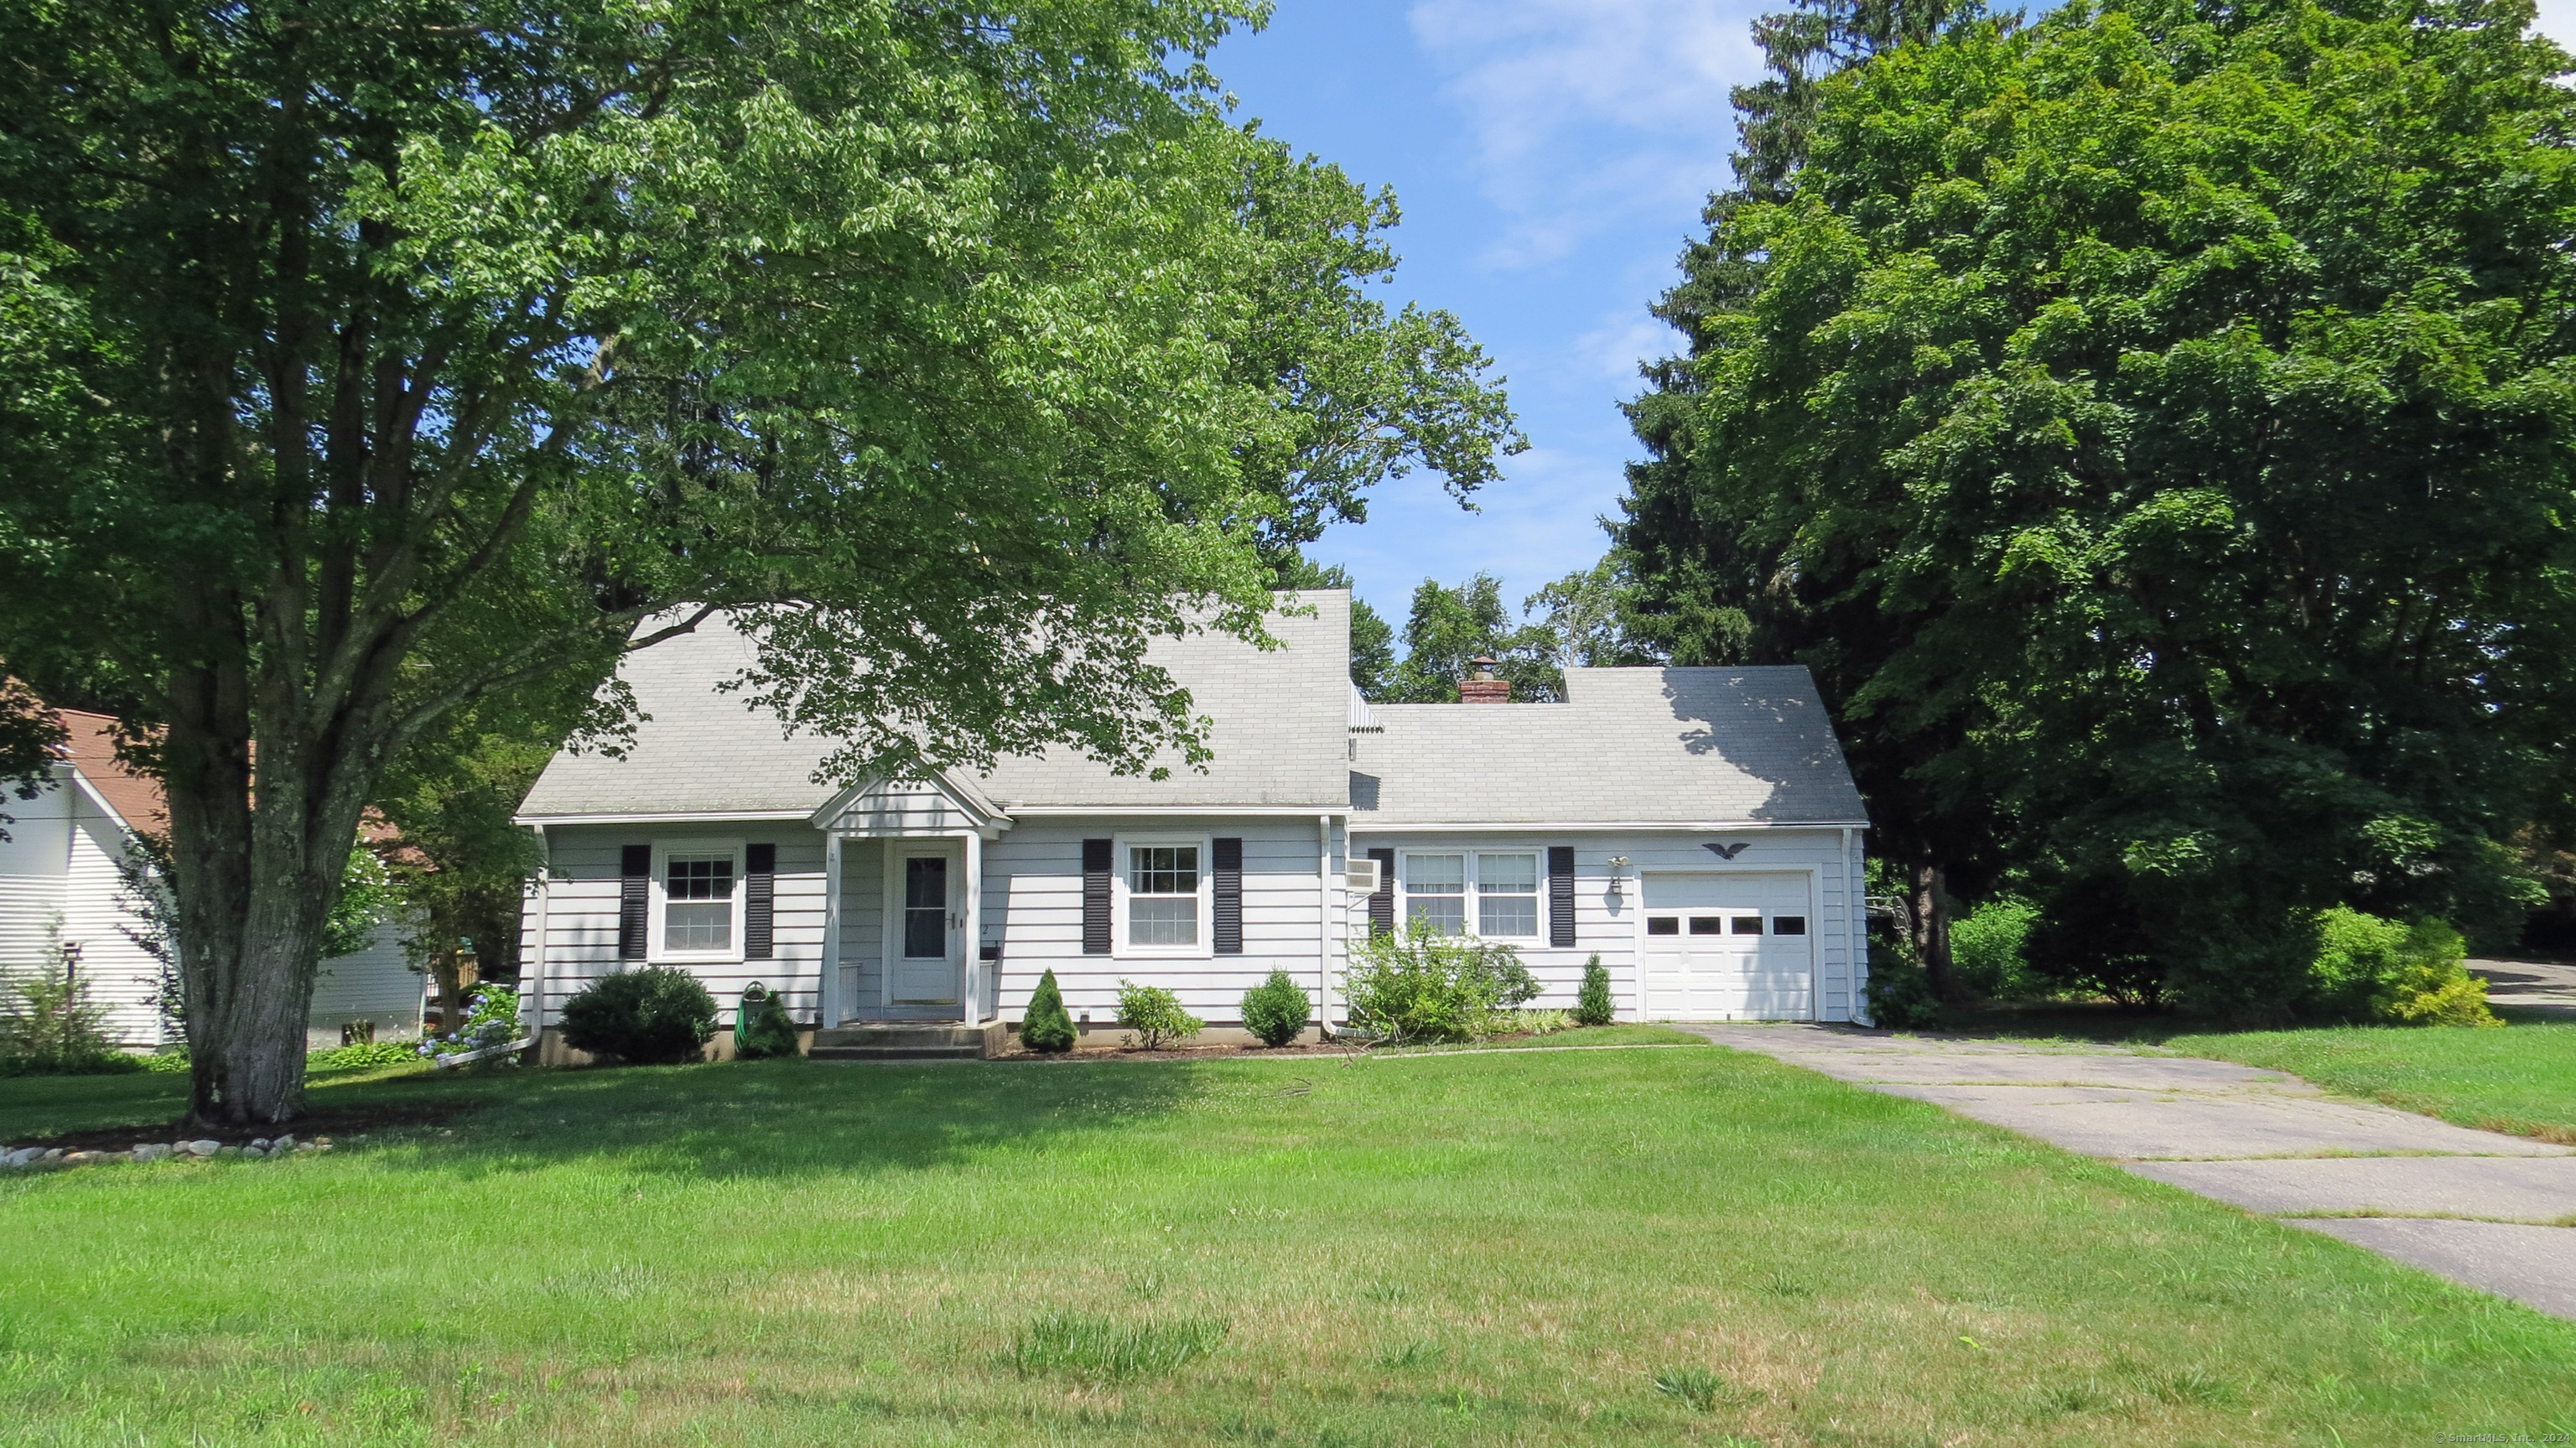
(255, 876)
(1932, 906)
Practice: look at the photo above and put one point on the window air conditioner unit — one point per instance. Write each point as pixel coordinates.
(1362, 877)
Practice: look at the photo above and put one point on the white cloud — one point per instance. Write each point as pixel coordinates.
(1588, 114)
(1624, 340)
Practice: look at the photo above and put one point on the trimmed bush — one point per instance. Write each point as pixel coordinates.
(1276, 1010)
(2372, 969)
(1593, 1005)
(1048, 1026)
(655, 1014)
(1154, 1016)
(1425, 985)
(761, 1026)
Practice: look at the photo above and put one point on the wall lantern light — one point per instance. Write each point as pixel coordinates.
(1618, 877)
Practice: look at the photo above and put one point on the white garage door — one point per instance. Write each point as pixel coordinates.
(1728, 947)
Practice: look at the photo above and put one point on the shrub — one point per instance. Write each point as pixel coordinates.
(1900, 998)
(2373, 969)
(1987, 949)
(1048, 1026)
(652, 1014)
(491, 1019)
(761, 1026)
(49, 1028)
(1276, 1010)
(1154, 1015)
(360, 1056)
(1594, 1005)
(1424, 985)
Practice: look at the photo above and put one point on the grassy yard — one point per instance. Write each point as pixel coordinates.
(1485, 1249)
(2520, 1079)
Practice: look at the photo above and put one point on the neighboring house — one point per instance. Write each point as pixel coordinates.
(1696, 828)
(60, 881)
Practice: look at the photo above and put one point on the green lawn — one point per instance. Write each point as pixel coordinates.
(1488, 1249)
(2520, 1079)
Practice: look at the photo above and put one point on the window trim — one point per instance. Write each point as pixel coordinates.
(657, 914)
(1472, 891)
(1121, 945)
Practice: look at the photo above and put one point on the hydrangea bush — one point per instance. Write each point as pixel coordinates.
(491, 1019)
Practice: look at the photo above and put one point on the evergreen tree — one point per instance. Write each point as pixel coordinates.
(1048, 1026)
(1594, 1005)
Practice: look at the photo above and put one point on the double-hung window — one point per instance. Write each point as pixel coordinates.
(1506, 894)
(1492, 893)
(1163, 897)
(699, 915)
(1435, 892)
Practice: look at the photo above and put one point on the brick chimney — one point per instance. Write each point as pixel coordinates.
(1482, 687)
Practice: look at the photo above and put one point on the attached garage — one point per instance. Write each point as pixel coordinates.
(1729, 946)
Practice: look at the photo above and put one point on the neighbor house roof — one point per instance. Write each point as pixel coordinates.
(90, 747)
(1637, 745)
(1280, 718)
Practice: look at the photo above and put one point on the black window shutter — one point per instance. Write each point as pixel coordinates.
(1382, 903)
(1095, 897)
(1228, 930)
(634, 890)
(1560, 896)
(759, 899)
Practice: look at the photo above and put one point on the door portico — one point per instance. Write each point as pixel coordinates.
(930, 855)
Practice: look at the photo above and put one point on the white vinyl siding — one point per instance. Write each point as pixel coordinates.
(581, 911)
(1611, 928)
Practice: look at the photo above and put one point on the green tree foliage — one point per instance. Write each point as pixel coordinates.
(1593, 619)
(1047, 1026)
(1276, 1010)
(364, 362)
(2151, 425)
(1451, 626)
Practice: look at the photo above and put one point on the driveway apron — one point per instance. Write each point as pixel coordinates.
(2477, 1207)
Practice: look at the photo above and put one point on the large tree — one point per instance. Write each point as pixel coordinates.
(365, 360)
(2154, 425)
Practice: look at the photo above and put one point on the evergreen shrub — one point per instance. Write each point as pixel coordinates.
(654, 1014)
(1276, 1010)
(1988, 949)
(1594, 1005)
(761, 1026)
(1048, 1026)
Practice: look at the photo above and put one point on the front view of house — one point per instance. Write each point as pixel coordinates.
(1694, 827)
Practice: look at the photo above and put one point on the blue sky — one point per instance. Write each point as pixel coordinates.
(1551, 157)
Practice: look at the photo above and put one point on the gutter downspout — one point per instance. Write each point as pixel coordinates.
(1324, 925)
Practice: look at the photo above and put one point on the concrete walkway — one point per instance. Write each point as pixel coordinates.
(2475, 1206)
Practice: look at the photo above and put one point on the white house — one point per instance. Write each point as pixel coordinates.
(61, 886)
(1695, 827)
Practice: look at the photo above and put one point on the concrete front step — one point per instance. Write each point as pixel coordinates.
(903, 1041)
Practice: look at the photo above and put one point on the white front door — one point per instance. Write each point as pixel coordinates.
(1727, 946)
(928, 893)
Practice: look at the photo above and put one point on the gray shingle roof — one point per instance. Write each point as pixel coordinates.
(1642, 745)
(1280, 718)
